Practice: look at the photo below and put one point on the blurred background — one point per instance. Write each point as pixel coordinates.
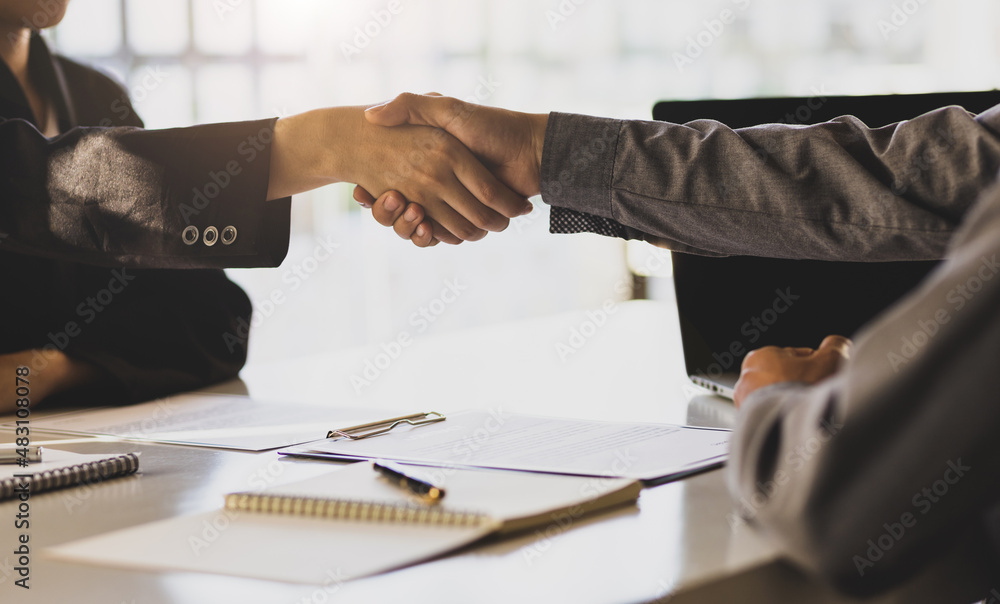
(195, 61)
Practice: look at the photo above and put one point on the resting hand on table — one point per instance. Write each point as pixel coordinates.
(772, 365)
(49, 372)
(509, 143)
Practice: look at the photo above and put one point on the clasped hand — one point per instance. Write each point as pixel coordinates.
(425, 165)
(508, 143)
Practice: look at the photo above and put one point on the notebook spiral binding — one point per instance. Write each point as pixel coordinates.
(85, 473)
(347, 509)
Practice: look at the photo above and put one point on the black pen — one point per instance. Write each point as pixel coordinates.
(398, 476)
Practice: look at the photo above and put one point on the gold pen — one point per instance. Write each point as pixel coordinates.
(14, 455)
(398, 476)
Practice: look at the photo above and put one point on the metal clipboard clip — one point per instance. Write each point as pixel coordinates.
(376, 428)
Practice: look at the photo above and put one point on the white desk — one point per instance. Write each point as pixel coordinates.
(677, 546)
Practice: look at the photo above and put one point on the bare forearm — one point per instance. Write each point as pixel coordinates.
(309, 149)
(61, 374)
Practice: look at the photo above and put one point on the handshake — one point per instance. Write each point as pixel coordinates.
(483, 192)
(443, 170)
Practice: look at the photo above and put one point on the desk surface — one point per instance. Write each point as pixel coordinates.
(678, 545)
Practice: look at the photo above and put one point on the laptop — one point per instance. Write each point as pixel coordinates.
(729, 306)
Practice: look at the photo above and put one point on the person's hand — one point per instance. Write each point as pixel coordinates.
(509, 143)
(49, 372)
(406, 218)
(426, 165)
(772, 365)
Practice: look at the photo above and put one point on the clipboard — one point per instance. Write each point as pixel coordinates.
(370, 429)
(651, 452)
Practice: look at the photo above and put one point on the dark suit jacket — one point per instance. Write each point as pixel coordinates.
(94, 224)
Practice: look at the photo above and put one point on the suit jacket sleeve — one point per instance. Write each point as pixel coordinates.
(864, 476)
(123, 196)
(837, 190)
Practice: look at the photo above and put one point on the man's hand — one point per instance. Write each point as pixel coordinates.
(405, 217)
(772, 365)
(509, 143)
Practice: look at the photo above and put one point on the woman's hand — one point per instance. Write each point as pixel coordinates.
(49, 372)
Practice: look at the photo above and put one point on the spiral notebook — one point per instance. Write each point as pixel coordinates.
(62, 469)
(366, 526)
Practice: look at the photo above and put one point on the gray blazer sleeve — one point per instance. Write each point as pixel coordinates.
(862, 477)
(837, 190)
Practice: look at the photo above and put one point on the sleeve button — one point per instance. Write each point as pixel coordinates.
(190, 235)
(211, 236)
(228, 235)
